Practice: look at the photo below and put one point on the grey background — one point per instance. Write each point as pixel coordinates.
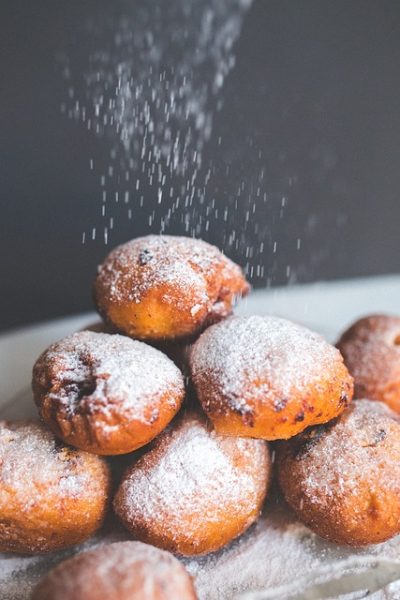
(316, 86)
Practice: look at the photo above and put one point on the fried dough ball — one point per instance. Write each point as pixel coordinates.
(343, 479)
(51, 496)
(104, 393)
(120, 571)
(166, 287)
(268, 378)
(194, 491)
(371, 351)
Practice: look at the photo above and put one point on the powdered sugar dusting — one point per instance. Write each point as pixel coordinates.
(183, 265)
(277, 555)
(90, 370)
(277, 354)
(256, 558)
(34, 467)
(361, 451)
(282, 558)
(190, 478)
(20, 574)
(252, 562)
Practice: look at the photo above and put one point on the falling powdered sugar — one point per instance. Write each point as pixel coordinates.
(151, 84)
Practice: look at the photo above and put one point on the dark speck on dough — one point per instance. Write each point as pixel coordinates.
(280, 404)
(145, 256)
(154, 416)
(379, 436)
(247, 415)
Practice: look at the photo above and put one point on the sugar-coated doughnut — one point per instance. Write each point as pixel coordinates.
(371, 351)
(343, 479)
(195, 490)
(106, 394)
(119, 571)
(166, 287)
(268, 378)
(51, 496)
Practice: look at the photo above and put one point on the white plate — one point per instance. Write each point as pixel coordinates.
(277, 555)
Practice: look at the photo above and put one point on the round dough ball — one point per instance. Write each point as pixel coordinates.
(120, 571)
(268, 378)
(106, 394)
(343, 479)
(371, 351)
(51, 496)
(194, 491)
(166, 287)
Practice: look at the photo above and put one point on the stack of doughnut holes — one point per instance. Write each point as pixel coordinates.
(197, 401)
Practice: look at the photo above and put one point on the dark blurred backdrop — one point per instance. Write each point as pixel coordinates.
(316, 87)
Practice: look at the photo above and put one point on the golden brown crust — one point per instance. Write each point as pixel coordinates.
(51, 496)
(267, 378)
(371, 351)
(106, 394)
(166, 287)
(120, 571)
(194, 491)
(343, 479)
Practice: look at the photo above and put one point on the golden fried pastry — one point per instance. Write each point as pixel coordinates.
(194, 491)
(120, 571)
(265, 377)
(51, 496)
(371, 351)
(104, 393)
(165, 287)
(343, 479)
